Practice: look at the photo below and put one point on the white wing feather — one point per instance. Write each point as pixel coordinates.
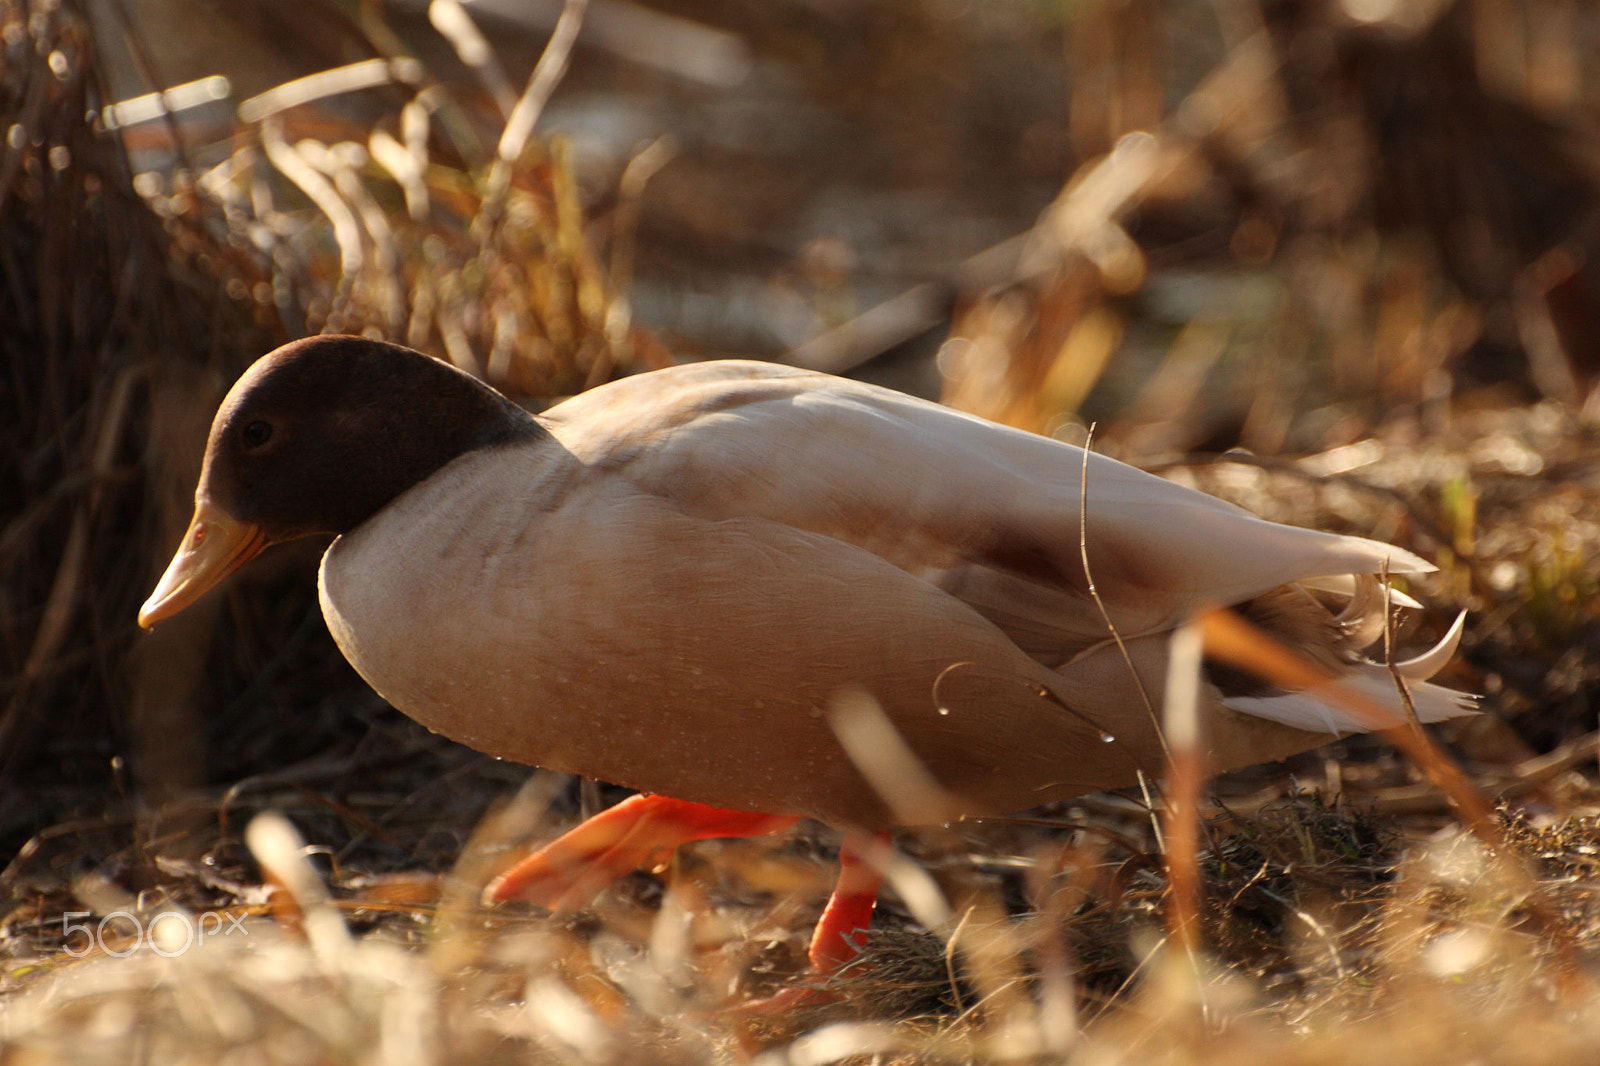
(988, 513)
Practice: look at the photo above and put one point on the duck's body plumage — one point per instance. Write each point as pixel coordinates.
(670, 585)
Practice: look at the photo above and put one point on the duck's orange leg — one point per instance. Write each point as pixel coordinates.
(841, 933)
(640, 831)
(644, 830)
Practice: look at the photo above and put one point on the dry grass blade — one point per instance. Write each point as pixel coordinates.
(367, 74)
(1185, 789)
(1401, 687)
(1094, 594)
(906, 786)
(546, 75)
(452, 20)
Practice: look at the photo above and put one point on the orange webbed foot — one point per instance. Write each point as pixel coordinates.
(641, 831)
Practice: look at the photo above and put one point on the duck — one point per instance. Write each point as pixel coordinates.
(672, 582)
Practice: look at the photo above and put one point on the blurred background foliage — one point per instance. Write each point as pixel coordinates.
(1362, 231)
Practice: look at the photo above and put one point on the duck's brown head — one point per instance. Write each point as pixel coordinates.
(316, 437)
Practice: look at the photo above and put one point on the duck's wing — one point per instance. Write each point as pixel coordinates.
(987, 513)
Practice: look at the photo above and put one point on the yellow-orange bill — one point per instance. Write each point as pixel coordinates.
(215, 545)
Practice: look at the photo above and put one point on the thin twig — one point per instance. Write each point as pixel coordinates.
(1094, 593)
(1400, 686)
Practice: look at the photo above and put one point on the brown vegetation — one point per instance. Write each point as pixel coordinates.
(1274, 226)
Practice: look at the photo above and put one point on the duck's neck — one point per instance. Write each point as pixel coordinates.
(442, 415)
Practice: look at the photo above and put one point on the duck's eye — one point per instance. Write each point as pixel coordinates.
(256, 433)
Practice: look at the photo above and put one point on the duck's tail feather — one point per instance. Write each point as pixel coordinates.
(1316, 711)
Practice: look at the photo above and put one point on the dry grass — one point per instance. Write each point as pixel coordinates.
(1343, 912)
(1328, 939)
